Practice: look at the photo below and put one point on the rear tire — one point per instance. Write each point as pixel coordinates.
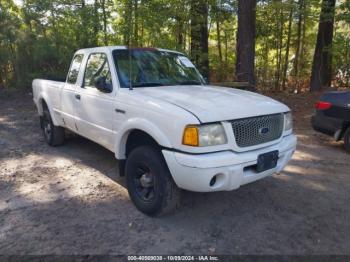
(347, 140)
(54, 135)
(149, 182)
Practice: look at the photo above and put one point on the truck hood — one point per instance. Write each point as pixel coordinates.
(212, 103)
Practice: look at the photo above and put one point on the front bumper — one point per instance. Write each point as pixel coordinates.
(195, 172)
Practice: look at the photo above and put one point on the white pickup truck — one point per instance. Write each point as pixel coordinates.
(166, 126)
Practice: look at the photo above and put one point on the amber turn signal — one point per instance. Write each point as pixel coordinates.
(190, 137)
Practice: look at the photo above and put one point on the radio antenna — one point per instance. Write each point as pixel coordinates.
(130, 78)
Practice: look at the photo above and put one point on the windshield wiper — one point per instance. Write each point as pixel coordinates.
(148, 84)
(190, 82)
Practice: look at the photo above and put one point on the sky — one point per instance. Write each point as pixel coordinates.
(18, 2)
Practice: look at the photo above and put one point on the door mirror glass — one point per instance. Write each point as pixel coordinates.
(102, 85)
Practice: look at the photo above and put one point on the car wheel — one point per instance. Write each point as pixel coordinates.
(149, 182)
(347, 140)
(54, 135)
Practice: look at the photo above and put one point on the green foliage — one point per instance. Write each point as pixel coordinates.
(39, 37)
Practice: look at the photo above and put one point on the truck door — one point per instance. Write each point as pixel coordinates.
(68, 93)
(94, 109)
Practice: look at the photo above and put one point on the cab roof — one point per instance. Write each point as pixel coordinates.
(111, 48)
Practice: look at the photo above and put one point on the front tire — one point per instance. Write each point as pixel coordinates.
(347, 140)
(149, 182)
(54, 135)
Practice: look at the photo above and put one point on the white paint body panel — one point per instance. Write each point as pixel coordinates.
(94, 116)
(67, 108)
(213, 103)
(163, 113)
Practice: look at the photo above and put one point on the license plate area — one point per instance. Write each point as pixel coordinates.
(267, 161)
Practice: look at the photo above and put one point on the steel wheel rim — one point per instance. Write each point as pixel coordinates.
(47, 126)
(144, 183)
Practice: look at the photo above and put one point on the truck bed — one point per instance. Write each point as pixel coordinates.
(49, 89)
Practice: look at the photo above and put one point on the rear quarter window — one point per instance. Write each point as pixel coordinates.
(74, 69)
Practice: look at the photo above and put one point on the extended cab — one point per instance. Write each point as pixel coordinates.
(170, 130)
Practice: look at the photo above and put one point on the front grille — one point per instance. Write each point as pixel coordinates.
(257, 130)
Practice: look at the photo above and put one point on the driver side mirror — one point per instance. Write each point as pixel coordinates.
(102, 85)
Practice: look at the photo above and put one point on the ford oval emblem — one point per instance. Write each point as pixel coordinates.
(264, 130)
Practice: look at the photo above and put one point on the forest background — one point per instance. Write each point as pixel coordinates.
(274, 45)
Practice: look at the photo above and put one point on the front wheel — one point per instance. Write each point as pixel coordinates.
(149, 182)
(347, 140)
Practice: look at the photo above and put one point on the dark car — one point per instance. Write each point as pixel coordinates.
(332, 116)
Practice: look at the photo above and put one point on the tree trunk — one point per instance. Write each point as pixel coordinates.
(347, 60)
(226, 47)
(321, 75)
(286, 59)
(15, 66)
(96, 26)
(298, 42)
(219, 41)
(302, 48)
(103, 3)
(246, 42)
(136, 24)
(266, 63)
(142, 32)
(279, 42)
(83, 34)
(179, 32)
(54, 26)
(128, 23)
(199, 35)
(2, 81)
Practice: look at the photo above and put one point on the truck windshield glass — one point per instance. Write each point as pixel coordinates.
(148, 67)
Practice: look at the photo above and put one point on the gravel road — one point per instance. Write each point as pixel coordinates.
(70, 199)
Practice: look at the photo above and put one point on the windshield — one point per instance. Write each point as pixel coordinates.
(151, 67)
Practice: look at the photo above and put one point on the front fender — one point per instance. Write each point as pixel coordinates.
(138, 124)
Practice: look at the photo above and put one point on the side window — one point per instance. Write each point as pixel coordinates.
(96, 67)
(74, 69)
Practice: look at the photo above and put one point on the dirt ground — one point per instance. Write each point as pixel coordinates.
(70, 199)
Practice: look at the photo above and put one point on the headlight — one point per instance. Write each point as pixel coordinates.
(205, 135)
(288, 121)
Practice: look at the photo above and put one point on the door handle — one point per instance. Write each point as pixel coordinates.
(77, 96)
(119, 111)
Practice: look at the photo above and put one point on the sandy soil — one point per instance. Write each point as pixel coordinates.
(70, 199)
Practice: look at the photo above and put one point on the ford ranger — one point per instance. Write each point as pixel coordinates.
(166, 126)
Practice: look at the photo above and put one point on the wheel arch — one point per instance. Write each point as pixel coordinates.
(139, 132)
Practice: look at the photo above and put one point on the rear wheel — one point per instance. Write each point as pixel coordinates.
(347, 140)
(54, 135)
(149, 182)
